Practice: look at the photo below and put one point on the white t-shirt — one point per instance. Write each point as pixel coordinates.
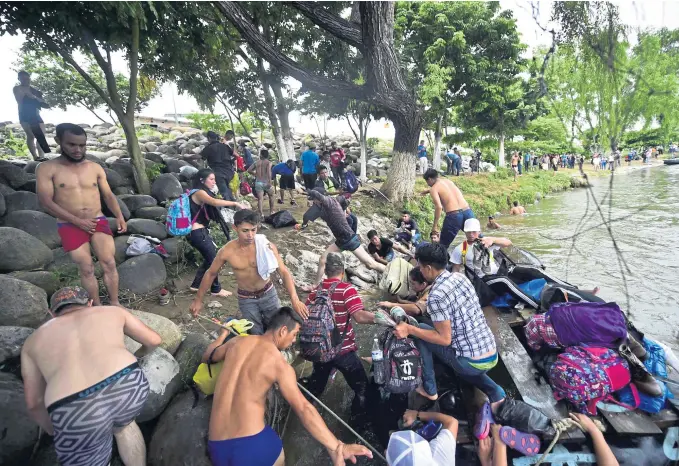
(456, 258)
(443, 448)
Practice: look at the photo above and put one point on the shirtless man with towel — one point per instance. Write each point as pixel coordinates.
(252, 264)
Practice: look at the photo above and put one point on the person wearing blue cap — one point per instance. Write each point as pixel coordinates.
(408, 448)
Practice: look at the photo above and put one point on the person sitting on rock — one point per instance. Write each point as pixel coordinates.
(406, 229)
(80, 382)
(262, 171)
(464, 252)
(238, 433)
(517, 209)
(347, 305)
(382, 249)
(416, 307)
(257, 296)
(330, 210)
(71, 188)
(202, 204)
(326, 182)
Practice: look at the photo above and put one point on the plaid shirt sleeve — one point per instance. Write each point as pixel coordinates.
(438, 306)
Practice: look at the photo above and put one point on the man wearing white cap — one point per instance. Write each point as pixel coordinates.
(464, 253)
(407, 448)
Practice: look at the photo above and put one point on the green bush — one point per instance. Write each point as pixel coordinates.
(153, 171)
(14, 144)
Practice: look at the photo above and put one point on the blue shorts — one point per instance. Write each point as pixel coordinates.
(453, 223)
(351, 244)
(261, 449)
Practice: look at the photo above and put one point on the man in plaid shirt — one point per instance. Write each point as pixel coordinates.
(460, 338)
(346, 304)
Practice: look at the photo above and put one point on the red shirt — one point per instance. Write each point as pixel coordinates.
(336, 157)
(345, 303)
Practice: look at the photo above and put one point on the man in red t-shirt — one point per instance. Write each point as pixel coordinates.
(337, 157)
(346, 303)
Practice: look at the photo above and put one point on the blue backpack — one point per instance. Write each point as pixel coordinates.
(350, 182)
(179, 221)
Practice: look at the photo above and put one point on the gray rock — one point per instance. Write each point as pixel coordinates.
(23, 304)
(123, 209)
(125, 170)
(189, 354)
(19, 431)
(150, 147)
(114, 179)
(142, 274)
(21, 251)
(151, 213)
(113, 224)
(38, 224)
(40, 278)
(165, 187)
(121, 246)
(31, 166)
(169, 332)
(174, 165)
(162, 373)
(174, 247)
(21, 200)
(122, 190)
(12, 175)
(12, 339)
(30, 185)
(143, 226)
(360, 284)
(3, 206)
(180, 436)
(5, 190)
(136, 201)
(121, 153)
(187, 173)
(162, 148)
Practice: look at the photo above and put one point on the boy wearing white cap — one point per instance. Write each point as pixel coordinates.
(407, 448)
(464, 252)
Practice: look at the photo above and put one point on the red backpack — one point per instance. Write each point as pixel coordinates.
(586, 375)
(245, 188)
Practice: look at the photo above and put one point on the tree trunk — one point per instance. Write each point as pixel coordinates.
(283, 113)
(363, 129)
(437, 142)
(501, 152)
(140, 179)
(271, 112)
(400, 182)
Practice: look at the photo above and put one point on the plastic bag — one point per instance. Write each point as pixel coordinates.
(655, 363)
(281, 219)
(227, 215)
(647, 403)
(523, 417)
(139, 246)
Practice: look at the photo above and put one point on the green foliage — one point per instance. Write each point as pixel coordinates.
(210, 122)
(146, 131)
(13, 144)
(153, 171)
(372, 142)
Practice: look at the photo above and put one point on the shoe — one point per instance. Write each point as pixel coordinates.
(637, 348)
(484, 419)
(280, 202)
(640, 375)
(649, 385)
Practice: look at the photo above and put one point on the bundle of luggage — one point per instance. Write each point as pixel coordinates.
(595, 355)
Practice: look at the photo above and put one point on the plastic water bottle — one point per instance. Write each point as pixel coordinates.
(378, 363)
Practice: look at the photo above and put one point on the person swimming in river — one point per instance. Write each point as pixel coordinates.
(517, 209)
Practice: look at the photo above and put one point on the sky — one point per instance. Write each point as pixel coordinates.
(531, 18)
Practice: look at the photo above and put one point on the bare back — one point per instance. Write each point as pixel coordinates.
(243, 261)
(78, 349)
(263, 171)
(249, 371)
(450, 195)
(75, 186)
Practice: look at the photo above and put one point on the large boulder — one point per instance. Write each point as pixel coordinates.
(21, 251)
(3, 206)
(168, 331)
(12, 175)
(125, 169)
(30, 185)
(143, 226)
(38, 224)
(44, 279)
(173, 246)
(19, 431)
(31, 166)
(162, 373)
(142, 274)
(114, 179)
(189, 355)
(151, 213)
(21, 303)
(11, 340)
(21, 200)
(121, 245)
(165, 187)
(180, 436)
(174, 165)
(136, 201)
(5, 190)
(123, 209)
(154, 156)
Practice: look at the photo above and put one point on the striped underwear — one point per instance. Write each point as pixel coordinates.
(84, 422)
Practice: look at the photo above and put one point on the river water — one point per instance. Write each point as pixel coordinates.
(648, 241)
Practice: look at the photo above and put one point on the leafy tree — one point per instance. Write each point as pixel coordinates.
(64, 86)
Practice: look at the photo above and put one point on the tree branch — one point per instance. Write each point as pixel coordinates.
(346, 115)
(134, 68)
(337, 26)
(108, 72)
(313, 82)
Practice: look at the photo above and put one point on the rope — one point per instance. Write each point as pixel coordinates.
(560, 427)
(341, 421)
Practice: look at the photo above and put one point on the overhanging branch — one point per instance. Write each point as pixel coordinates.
(313, 82)
(337, 26)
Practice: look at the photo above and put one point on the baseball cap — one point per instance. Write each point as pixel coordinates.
(471, 224)
(335, 260)
(407, 448)
(68, 295)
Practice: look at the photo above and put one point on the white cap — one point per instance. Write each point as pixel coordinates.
(471, 224)
(406, 448)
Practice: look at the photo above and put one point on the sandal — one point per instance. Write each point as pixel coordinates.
(484, 419)
(526, 444)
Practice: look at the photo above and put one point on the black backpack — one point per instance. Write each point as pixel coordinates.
(402, 363)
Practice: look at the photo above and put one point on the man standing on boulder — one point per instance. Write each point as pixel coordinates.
(238, 433)
(257, 296)
(446, 196)
(70, 188)
(82, 385)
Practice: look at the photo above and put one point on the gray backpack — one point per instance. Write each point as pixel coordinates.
(402, 363)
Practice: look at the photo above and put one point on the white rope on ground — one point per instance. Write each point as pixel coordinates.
(373, 449)
(561, 427)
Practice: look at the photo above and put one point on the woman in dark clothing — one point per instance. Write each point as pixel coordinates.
(203, 209)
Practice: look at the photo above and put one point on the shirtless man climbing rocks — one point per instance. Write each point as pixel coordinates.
(446, 196)
(257, 296)
(252, 365)
(70, 188)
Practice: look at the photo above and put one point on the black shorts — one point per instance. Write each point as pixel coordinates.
(287, 181)
(309, 180)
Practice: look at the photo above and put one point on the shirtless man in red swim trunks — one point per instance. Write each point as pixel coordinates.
(69, 188)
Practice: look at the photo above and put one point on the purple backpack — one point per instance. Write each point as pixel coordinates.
(585, 376)
(591, 324)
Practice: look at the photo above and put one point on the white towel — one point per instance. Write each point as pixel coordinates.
(266, 260)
